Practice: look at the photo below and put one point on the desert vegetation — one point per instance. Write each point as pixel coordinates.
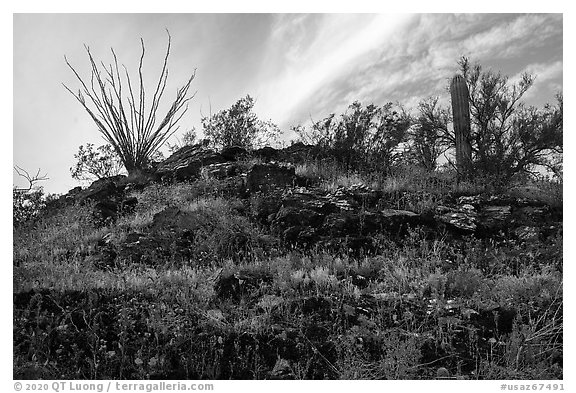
(356, 252)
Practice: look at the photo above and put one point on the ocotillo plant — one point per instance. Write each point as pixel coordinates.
(461, 115)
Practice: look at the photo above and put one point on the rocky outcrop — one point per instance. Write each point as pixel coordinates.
(351, 216)
(500, 215)
(220, 171)
(109, 197)
(295, 153)
(187, 162)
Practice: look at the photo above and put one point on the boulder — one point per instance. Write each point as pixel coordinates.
(456, 219)
(234, 153)
(219, 171)
(235, 285)
(187, 162)
(102, 190)
(267, 154)
(396, 221)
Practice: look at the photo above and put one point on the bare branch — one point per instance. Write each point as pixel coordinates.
(32, 180)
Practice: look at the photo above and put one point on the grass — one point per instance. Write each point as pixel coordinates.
(231, 309)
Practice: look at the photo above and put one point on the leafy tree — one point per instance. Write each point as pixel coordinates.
(363, 137)
(427, 136)
(125, 118)
(96, 164)
(507, 137)
(239, 126)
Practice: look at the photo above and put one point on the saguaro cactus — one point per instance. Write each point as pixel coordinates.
(461, 116)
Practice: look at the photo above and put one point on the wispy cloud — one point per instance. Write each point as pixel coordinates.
(339, 44)
(334, 60)
(510, 38)
(548, 78)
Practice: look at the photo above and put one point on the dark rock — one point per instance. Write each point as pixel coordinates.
(186, 163)
(243, 283)
(267, 154)
(265, 177)
(106, 210)
(494, 218)
(101, 190)
(139, 180)
(74, 191)
(397, 221)
(219, 171)
(338, 224)
(312, 199)
(292, 216)
(463, 219)
(298, 235)
(128, 204)
(146, 250)
(354, 196)
(234, 153)
(168, 218)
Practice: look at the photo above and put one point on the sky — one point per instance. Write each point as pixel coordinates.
(297, 67)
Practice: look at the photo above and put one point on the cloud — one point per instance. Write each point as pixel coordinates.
(548, 76)
(352, 58)
(546, 72)
(510, 38)
(339, 43)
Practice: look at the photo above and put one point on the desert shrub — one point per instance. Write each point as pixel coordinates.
(507, 136)
(537, 291)
(365, 354)
(239, 126)
(362, 138)
(463, 283)
(96, 164)
(26, 205)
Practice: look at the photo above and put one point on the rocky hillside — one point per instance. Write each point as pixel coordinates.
(300, 214)
(236, 265)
